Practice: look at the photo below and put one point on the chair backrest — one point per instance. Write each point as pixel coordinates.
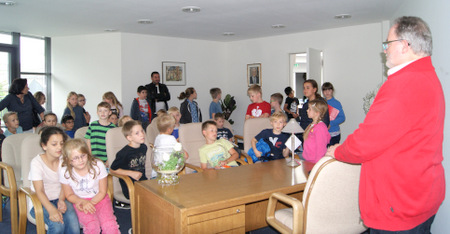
(11, 154)
(227, 124)
(191, 138)
(251, 128)
(30, 149)
(152, 131)
(331, 197)
(79, 133)
(39, 128)
(115, 141)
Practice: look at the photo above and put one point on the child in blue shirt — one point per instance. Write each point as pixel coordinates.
(215, 106)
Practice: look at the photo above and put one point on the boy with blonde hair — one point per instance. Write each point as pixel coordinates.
(216, 154)
(259, 108)
(50, 119)
(11, 120)
(215, 106)
(274, 137)
(130, 160)
(96, 132)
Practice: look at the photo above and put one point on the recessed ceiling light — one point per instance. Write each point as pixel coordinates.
(110, 30)
(228, 34)
(145, 21)
(7, 3)
(343, 16)
(278, 26)
(191, 9)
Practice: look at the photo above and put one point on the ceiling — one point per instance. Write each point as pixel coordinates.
(246, 18)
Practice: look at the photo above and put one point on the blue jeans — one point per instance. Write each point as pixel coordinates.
(70, 219)
(423, 228)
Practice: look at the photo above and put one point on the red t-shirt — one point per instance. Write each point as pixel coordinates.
(257, 109)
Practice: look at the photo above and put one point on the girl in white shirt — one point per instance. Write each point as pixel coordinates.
(59, 214)
(84, 180)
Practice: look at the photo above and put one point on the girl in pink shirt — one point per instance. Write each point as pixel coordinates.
(316, 136)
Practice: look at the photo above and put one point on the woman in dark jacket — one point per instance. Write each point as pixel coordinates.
(190, 112)
(23, 102)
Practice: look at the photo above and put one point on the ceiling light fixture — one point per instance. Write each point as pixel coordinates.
(278, 26)
(145, 21)
(110, 30)
(7, 3)
(342, 16)
(227, 34)
(191, 9)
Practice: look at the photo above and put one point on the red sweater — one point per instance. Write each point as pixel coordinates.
(400, 147)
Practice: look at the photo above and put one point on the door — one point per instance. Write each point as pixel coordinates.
(314, 66)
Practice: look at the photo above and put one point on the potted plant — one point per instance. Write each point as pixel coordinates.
(228, 106)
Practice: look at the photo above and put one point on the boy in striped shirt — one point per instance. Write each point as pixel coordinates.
(96, 132)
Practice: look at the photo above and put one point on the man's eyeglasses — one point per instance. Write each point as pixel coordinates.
(386, 43)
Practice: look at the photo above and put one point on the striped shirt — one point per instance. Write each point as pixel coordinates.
(96, 133)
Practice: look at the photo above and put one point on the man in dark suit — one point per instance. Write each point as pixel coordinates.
(254, 78)
(158, 94)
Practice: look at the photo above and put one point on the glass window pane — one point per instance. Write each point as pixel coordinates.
(32, 54)
(36, 83)
(5, 38)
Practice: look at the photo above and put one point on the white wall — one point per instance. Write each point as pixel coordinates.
(435, 13)
(89, 64)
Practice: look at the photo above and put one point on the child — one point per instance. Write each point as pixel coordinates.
(116, 106)
(96, 132)
(215, 106)
(175, 112)
(67, 123)
(216, 154)
(291, 104)
(50, 119)
(84, 181)
(258, 108)
(124, 119)
(274, 138)
(2, 137)
(40, 97)
(140, 108)
(190, 112)
(275, 103)
(161, 112)
(222, 132)
(165, 124)
(114, 119)
(316, 136)
(81, 103)
(75, 111)
(337, 115)
(12, 124)
(59, 214)
(130, 160)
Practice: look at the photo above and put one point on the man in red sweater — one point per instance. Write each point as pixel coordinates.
(399, 144)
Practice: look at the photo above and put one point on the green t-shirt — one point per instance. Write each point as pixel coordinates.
(213, 153)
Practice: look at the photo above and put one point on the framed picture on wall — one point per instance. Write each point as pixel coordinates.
(254, 74)
(174, 73)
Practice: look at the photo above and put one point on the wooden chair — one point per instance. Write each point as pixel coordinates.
(251, 128)
(329, 205)
(30, 148)
(115, 141)
(9, 189)
(79, 133)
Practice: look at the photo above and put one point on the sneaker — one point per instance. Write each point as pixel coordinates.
(120, 205)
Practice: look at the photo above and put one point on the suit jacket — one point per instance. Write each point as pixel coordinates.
(153, 95)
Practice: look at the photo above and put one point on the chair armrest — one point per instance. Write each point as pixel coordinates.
(241, 161)
(39, 212)
(297, 212)
(130, 186)
(244, 156)
(193, 167)
(237, 138)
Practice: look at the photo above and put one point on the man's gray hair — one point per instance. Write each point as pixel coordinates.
(416, 32)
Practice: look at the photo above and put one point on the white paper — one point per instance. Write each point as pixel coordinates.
(297, 143)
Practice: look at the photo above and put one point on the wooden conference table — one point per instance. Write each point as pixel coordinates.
(232, 200)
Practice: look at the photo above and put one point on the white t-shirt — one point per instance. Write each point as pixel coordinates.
(40, 171)
(84, 186)
(165, 141)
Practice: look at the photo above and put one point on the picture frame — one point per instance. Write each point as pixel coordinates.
(173, 73)
(254, 74)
